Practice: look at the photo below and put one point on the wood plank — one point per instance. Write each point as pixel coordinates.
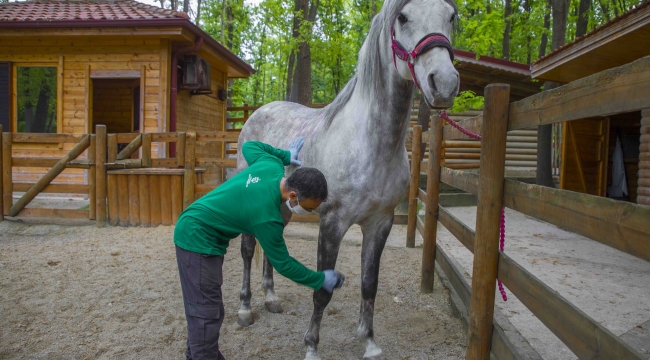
(463, 180)
(100, 169)
(422, 196)
(189, 178)
(583, 335)
(7, 173)
(490, 197)
(180, 149)
(49, 176)
(92, 179)
(457, 228)
(154, 199)
(149, 171)
(134, 200)
(19, 137)
(204, 189)
(53, 213)
(228, 163)
(131, 148)
(113, 201)
(621, 225)
(114, 74)
(143, 188)
(54, 188)
(431, 206)
(618, 90)
(177, 197)
(146, 150)
(414, 187)
(165, 200)
(164, 163)
(112, 147)
(217, 136)
(164, 137)
(123, 199)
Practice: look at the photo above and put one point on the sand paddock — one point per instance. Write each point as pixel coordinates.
(79, 292)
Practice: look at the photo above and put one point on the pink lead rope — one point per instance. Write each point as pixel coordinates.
(502, 238)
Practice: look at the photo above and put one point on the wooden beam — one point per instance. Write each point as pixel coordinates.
(217, 136)
(618, 90)
(414, 186)
(189, 178)
(463, 180)
(146, 150)
(55, 188)
(583, 335)
(431, 211)
(54, 213)
(48, 177)
(88, 99)
(115, 74)
(490, 197)
(457, 228)
(46, 138)
(472, 124)
(229, 163)
(92, 179)
(621, 225)
(100, 169)
(133, 146)
(180, 149)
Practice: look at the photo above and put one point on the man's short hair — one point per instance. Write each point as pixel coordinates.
(309, 183)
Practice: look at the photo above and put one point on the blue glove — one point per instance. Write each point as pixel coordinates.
(295, 147)
(333, 280)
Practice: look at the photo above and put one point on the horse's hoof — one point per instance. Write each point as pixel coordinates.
(245, 318)
(312, 355)
(373, 352)
(273, 307)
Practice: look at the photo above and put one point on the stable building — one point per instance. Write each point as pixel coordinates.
(67, 66)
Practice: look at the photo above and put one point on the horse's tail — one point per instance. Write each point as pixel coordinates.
(257, 254)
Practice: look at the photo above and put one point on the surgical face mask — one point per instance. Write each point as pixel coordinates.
(297, 209)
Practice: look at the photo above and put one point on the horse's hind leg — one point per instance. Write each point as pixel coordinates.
(329, 239)
(245, 317)
(272, 302)
(374, 239)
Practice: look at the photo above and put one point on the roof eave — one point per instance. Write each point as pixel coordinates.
(244, 67)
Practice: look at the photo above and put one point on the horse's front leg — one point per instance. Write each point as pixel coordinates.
(331, 233)
(272, 302)
(244, 316)
(375, 234)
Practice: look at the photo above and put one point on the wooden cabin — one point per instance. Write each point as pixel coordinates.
(588, 145)
(66, 66)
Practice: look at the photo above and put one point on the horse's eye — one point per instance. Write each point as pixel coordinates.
(453, 17)
(402, 19)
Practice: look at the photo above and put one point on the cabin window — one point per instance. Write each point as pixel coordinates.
(36, 93)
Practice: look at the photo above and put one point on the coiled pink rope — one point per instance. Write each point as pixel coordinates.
(502, 238)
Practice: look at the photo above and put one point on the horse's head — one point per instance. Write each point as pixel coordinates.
(422, 52)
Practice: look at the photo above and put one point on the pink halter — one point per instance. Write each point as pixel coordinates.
(428, 42)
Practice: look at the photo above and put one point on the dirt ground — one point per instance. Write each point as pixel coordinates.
(79, 292)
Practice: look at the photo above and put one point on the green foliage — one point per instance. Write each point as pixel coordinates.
(261, 34)
(36, 99)
(467, 100)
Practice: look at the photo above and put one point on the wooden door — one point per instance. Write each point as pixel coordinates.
(584, 156)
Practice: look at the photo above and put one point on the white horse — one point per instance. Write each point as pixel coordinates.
(358, 143)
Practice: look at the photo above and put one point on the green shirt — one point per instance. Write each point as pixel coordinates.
(247, 203)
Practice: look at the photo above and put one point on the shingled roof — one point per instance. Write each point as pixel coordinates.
(67, 10)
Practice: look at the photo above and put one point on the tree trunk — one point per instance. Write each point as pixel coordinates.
(186, 6)
(301, 87)
(528, 39)
(547, 26)
(40, 115)
(505, 46)
(223, 22)
(292, 61)
(198, 12)
(583, 17)
(545, 132)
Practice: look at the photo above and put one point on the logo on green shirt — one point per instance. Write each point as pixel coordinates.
(252, 179)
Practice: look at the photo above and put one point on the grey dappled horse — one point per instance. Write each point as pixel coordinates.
(358, 143)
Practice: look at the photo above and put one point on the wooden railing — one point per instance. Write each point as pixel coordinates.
(623, 226)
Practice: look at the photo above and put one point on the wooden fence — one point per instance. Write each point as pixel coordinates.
(621, 225)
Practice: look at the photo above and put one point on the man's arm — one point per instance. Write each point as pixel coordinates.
(270, 237)
(255, 150)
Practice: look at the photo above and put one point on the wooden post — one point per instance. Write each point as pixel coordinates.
(134, 200)
(177, 197)
(123, 199)
(490, 201)
(49, 176)
(165, 200)
(245, 113)
(416, 150)
(131, 148)
(180, 150)
(146, 150)
(92, 179)
(113, 201)
(154, 198)
(145, 213)
(2, 216)
(7, 173)
(431, 212)
(189, 177)
(100, 167)
(112, 147)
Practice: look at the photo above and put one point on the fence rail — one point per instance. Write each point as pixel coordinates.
(623, 226)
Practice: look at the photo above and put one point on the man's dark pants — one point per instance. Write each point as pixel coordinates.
(201, 279)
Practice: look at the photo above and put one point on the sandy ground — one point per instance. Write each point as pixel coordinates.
(610, 286)
(79, 292)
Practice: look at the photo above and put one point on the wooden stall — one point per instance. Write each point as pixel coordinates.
(67, 66)
(589, 144)
(621, 225)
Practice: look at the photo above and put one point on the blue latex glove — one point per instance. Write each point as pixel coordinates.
(295, 147)
(333, 280)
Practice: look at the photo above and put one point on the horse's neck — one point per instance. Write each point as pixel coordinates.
(388, 108)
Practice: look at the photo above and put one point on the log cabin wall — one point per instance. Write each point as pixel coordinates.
(627, 127)
(204, 113)
(113, 104)
(74, 57)
(643, 189)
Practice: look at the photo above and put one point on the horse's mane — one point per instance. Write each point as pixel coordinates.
(369, 60)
